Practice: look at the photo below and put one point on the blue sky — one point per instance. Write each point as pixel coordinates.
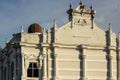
(14, 13)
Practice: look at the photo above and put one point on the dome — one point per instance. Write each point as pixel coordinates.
(35, 28)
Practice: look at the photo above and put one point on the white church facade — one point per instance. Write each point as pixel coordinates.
(78, 50)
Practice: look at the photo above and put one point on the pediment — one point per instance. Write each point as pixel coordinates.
(80, 34)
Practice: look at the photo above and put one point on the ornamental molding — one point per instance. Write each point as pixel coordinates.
(28, 55)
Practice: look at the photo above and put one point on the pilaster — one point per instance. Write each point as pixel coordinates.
(44, 64)
(48, 64)
(84, 67)
(109, 65)
(55, 65)
(83, 63)
(23, 77)
(118, 58)
(40, 59)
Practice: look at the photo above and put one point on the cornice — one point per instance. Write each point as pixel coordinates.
(29, 44)
(59, 45)
(70, 46)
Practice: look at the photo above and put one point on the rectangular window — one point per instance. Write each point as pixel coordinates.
(33, 70)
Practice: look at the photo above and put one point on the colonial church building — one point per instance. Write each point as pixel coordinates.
(78, 50)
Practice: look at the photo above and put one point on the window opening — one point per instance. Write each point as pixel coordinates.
(33, 70)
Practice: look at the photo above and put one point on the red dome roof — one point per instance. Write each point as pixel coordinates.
(35, 28)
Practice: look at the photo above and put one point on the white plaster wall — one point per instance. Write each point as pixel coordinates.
(68, 64)
(30, 38)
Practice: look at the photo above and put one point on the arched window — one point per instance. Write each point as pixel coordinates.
(33, 70)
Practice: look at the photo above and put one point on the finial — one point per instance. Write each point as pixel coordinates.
(69, 12)
(43, 28)
(70, 6)
(48, 30)
(110, 26)
(91, 7)
(80, 2)
(54, 23)
(6, 40)
(92, 16)
(81, 5)
(22, 29)
(119, 35)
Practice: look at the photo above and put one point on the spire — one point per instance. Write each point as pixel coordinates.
(22, 29)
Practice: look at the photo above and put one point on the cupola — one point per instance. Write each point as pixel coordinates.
(35, 28)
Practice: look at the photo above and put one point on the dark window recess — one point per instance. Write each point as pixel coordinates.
(33, 70)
